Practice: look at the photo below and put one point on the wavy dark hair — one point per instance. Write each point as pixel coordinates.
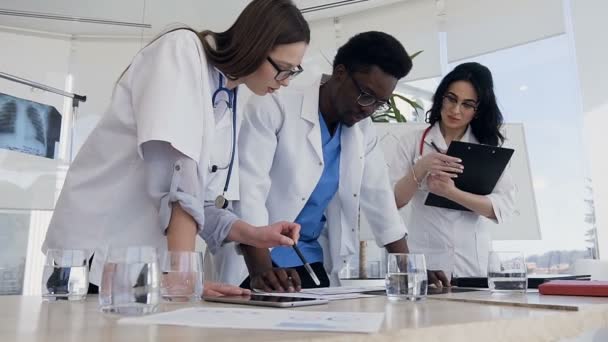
(488, 118)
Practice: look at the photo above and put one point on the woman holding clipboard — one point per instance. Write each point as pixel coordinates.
(455, 242)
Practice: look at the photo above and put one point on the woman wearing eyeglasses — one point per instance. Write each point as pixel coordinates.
(455, 242)
(146, 170)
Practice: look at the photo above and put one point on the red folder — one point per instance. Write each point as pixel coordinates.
(575, 288)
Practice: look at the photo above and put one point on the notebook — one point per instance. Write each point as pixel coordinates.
(534, 280)
(593, 288)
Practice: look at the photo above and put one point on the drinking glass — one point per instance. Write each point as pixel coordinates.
(182, 276)
(406, 277)
(130, 282)
(507, 272)
(65, 275)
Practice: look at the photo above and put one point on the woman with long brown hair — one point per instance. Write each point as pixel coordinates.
(142, 176)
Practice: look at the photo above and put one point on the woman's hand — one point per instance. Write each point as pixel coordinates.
(212, 289)
(438, 164)
(441, 185)
(277, 234)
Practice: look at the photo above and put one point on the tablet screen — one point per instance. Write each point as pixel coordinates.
(277, 299)
(266, 300)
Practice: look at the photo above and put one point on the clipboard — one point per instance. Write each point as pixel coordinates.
(483, 166)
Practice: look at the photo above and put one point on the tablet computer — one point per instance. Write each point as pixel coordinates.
(266, 300)
(483, 166)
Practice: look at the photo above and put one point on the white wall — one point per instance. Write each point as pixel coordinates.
(590, 28)
(38, 57)
(96, 64)
(412, 22)
(29, 184)
(475, 27)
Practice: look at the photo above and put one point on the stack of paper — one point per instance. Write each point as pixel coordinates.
(332, 293)
(263, 319)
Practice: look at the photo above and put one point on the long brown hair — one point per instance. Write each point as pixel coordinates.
(261, 26)
(241, 49)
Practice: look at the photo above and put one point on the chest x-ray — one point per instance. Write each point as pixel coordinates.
(29, 127)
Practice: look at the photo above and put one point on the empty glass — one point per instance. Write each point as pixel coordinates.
(130, 282)
(65, 275)
(182, 276)
(406, 277)
(507, 272)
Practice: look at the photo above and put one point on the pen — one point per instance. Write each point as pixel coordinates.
(438, 150)
(307, 265)
(435, 147)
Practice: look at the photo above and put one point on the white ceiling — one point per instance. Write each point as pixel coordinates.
(158, 13)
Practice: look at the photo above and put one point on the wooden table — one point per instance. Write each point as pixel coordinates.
(31, 319)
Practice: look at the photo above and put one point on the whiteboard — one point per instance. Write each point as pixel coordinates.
(524, 225)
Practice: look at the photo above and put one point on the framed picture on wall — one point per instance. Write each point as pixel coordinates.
(29, 127)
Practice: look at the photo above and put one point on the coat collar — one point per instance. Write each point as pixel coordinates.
(310, 113)
(434, 135)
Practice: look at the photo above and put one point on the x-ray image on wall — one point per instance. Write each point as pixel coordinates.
(29, 127)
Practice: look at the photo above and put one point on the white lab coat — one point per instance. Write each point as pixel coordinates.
(454, 241)
(281, 162)
(226, 265)
(104, 201)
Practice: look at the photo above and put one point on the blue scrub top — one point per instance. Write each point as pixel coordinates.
(312, 217)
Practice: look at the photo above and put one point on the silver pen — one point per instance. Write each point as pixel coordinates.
(307, 265)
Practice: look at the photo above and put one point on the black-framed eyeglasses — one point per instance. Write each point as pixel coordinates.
(452, 101)
(283, 74)
(366, 99)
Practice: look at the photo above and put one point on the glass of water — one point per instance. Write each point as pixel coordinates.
(182, 276)
(130, 282)
(507, 272)
(65, 275)
(406, 277)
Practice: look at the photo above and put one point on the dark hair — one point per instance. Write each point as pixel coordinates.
(261, 26)
(488, 118)
(367, 49)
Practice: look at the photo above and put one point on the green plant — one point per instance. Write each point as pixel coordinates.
(393, 111)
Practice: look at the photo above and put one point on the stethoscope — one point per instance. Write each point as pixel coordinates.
(422, 142)
(220, 201)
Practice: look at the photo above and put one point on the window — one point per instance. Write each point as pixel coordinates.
(536, 85)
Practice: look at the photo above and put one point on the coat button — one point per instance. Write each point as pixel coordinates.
(303, 198)
(320, 163)
(354, 195)
(177, 168)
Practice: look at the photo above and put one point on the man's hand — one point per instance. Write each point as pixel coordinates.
(276, 280)
(437, 278)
